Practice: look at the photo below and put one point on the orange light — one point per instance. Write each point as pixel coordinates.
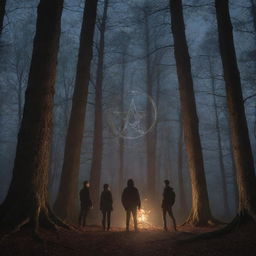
(143, 217)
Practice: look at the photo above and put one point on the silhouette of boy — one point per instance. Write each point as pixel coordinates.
(86, 203)
(167, 203)
(131, 202)
(106, 206)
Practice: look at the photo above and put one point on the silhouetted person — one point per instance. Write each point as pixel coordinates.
(86, 203)
(131, 202)
(167, 203)
(106, 206)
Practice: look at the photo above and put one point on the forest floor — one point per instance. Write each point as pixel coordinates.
(154, 242)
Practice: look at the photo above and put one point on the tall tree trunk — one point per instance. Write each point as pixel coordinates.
(19, 92)
(183, 200)
(253, 12)
(98, 126)
(168, 170)
(151, 136)
(121, 139)
(219, 142)
(239, 131)
(65, 204)
(233, 169)
(27, 198)
(200, 212)
(2, 14)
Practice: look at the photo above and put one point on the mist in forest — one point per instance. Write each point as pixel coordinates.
(133, 126)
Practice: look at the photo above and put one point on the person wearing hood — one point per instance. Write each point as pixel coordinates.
(167, 204)
(131, 202)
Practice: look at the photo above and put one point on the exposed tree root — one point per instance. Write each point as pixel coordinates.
(239, 221)
(14, 230)
(40, 218)
(197, 222)
(57, 220)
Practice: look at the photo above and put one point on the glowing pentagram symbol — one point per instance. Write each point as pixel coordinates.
(131, 122)
(132, 118)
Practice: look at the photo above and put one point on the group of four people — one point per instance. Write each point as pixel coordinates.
(131, 203)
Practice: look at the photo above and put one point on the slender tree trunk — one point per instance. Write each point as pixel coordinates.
(65, 204)
(253, 11)
(200, 212)
(219, 142)
(239, 131)
(98, 126)
(183, 200)
(162, 156)
(2, 14)
(27, 198)
(168, 170)
(121, 139)
(151, 136)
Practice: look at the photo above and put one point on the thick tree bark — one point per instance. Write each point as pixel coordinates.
(233, 169)
(239, 131)
(2, 14)
(253, 13)
(219, 143)
(200, 212)
(183, 199)
(98, 126)
(65, 204)
(27, 198)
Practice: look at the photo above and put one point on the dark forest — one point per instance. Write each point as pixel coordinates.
(128, 127)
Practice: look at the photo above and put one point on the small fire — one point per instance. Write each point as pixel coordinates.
(143, 216)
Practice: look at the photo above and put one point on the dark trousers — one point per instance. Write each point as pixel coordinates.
(106, 217)
(128, 216)
(169, 210)
(82, 216)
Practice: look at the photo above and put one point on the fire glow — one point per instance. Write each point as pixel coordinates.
(143, 217)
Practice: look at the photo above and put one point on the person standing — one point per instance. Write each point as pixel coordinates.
(106, 206)
(167, 203)
(131, 202)
(85, 202)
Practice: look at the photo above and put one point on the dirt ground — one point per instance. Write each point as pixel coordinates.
(154, 242)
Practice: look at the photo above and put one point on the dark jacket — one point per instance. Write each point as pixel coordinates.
(131, 198)
(85, 198)
(106, 202)
(168, 197)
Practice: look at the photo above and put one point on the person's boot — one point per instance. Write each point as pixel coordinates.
(108, 228)
(174, 225)
(103, 226)
(165, 226)
(127, 225)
